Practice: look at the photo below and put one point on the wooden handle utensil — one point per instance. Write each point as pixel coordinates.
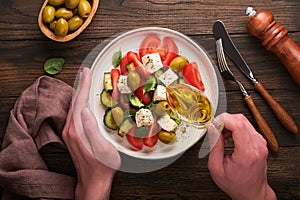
(264, 128)
(284, 117)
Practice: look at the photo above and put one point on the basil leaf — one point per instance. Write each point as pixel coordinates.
(117, 57)
(141, 132)
(54, 65)
(129, 113)
(149, 84)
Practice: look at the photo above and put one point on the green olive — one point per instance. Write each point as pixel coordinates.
(166, 137)
(62, 27)
(48, 14)
(162, 108)
(71, 3)
(75, 11)
(75, 22)
(165, 105)
(178, 63)
(56, 2)
(159, 110)
(64, 13)
(84, 8)
(52, 25)
(133, 80)
(118, 115)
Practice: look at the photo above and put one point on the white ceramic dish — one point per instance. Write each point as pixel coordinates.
(130, 41)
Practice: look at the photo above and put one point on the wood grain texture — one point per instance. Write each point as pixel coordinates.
(188, 177)
(262, 125)
(24, 49)
(283, 116)
(191, 17)
(274, 37)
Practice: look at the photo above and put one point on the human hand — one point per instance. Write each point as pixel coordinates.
(95, 159)
(242, 175)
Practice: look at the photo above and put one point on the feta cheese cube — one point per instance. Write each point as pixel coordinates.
(143, 117)
(160, 93)
(168, 77)
(122, 85)
(152, 62)
(166, 123)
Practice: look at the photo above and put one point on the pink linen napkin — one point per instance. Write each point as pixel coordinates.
(36, 120)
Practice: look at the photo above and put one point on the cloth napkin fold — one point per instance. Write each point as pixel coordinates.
(36, 120)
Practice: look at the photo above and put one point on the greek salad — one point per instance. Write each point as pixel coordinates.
(134, 91)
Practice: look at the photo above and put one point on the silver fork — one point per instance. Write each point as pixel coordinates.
(224, 69)
(261, 122)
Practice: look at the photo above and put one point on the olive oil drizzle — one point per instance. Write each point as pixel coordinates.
(190, 104)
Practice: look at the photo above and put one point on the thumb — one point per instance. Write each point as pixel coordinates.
(90, 126)
(102, 149)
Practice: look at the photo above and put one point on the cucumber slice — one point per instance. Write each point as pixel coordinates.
(107, 82)
(136, 102)
(109, 120)
(125, 127)
(181, 81)
(175, 117)
(106, 99)
(157, 74)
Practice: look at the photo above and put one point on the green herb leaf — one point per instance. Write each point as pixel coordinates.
(129, 113)
(141, 132)
(54, 65)
(117, 57)
(149, 84)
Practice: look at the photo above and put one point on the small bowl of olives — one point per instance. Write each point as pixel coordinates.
(63, 20)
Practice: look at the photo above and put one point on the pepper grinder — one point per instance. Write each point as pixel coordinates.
(274, 37)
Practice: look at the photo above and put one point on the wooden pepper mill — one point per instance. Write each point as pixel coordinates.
(274, 37)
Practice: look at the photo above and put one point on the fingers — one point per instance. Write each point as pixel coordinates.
(80, 101)
(83, 89)
(216, 140)
(101, 148)
(77, 87)
(90, 126)
(240, 127)
(67, 124)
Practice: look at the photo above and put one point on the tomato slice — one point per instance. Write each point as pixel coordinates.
(170, 51)
(150, 141)
(149, 45)
(134, 57)
(115, 74)
(152, 135)
(145, 97)
(123, 65)
(134, 141)
(166, 48)
(192, 76)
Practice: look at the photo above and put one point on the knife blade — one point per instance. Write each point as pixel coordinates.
(219, 31)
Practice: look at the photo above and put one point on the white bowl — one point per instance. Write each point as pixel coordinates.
(130, 41)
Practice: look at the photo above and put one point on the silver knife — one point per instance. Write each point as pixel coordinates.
(219, 31)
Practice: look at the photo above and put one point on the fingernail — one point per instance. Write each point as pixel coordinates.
(217, 124)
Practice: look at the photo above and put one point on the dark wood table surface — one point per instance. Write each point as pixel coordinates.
(24, 49)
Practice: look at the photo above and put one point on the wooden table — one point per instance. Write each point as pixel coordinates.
(23, 50)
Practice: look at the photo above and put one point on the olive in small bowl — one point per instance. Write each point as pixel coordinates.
(78, 16)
